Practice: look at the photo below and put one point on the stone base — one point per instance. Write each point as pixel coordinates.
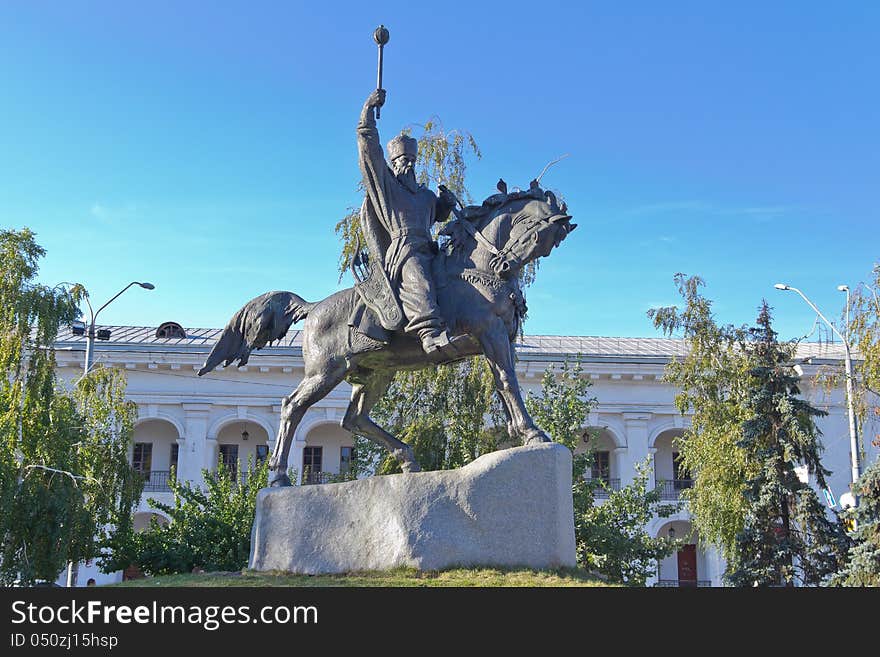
(509, 508)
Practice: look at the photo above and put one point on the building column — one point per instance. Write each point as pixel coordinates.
(715, 566)
(195, 454)
(181, 472)
(295, 460)
(622, 464)
(636, 424)
(295, 455)
(275, 423)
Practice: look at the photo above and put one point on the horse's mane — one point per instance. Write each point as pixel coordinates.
(496, 203)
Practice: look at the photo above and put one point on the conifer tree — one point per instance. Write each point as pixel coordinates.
(862, 566)
(787, 537)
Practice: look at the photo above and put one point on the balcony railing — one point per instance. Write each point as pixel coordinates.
(683, 583)
(317, 478)
(156, 481)
(671, 489)
(324, 478)
(601, 493)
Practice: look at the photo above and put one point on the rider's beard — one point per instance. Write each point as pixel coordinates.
(407, 178)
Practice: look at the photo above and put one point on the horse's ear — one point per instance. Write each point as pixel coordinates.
(563, 208)
(551, 199)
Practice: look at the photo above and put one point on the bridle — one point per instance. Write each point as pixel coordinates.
(503, 260)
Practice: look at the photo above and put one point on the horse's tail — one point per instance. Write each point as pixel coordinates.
(262, 320)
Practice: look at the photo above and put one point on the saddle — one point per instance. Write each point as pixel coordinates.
(376, 311)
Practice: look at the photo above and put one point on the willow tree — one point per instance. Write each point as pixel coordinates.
(712, 382)
(64, 473)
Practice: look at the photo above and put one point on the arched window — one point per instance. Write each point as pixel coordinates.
(170, 330)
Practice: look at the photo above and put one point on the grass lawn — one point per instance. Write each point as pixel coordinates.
(400, 577)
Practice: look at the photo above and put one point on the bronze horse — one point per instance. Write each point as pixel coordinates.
(478, 292)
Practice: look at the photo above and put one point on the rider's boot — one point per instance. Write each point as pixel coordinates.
(439, 345)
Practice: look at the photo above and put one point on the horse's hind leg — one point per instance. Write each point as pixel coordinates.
(357, 418)
(311, 389)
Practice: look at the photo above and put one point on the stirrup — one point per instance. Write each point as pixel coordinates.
(435, 341)
(443, 347)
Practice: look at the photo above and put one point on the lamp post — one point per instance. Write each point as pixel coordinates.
(853, 436)
(72, 568)
(90, 335)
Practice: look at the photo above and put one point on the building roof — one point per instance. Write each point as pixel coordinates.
(529, 347)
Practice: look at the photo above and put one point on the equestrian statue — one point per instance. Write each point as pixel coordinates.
(414, 304)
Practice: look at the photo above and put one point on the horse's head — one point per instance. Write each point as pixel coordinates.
(537, 225)
(510, 230)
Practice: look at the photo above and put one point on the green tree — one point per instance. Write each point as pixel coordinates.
(864, 334)
(862, 563)
(64, 475)
(862, 567)
(712, 380)
(787, 537)
(210, 527)
(562, 408)
(443, 413)
(610, 537)
(749, 432)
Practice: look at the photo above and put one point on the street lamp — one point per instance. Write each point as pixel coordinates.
(103, 334)
(853, 436)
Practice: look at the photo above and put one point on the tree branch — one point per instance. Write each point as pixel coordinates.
(64, 472)
(550, 164)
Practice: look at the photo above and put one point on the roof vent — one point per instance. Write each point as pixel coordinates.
(170, 330)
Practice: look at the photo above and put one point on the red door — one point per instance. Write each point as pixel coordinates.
(687, 565)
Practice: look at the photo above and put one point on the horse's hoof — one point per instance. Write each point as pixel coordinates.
(280, 481)
(407, 459)
(536, 438)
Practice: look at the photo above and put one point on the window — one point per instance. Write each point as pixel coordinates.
(346, 460)
(142, 459)
(229, 456)
(681, 477)
(262, 453)
(601, 466)
(175, 450)
(312, 464)
(170, 330)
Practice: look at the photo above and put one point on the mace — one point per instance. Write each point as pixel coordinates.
(380, 36)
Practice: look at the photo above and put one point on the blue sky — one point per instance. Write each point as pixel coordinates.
(210, 148)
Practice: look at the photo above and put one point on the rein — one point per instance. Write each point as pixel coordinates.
(503, 255)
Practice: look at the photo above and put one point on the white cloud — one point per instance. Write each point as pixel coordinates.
(112, 215)
(760, 212)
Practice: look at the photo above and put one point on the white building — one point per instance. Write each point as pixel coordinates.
(190, 421)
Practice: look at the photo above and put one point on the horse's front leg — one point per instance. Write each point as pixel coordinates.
(499, 353)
